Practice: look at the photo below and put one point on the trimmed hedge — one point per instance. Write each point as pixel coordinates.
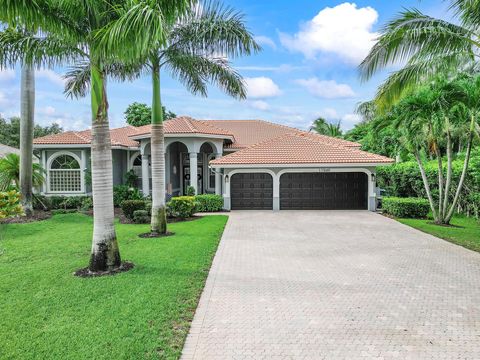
(208, 203)
(130, 206)
(141, 217)
(414, 208)
(181, 207)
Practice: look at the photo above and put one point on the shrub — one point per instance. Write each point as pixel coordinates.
(10, 204)
(125, 192)
(415, 208)
(190, 191)
(208, 203)
(130, 206)
(87, 203)
(141, 217)
(65, 202)
(182, 207)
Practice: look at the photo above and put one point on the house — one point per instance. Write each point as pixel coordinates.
(253, 164)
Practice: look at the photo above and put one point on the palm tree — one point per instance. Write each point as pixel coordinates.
(334, 130)
(76, 25)
(10, 172)
(429, 46)
(319, 126)
(428, 120)
(195, 52)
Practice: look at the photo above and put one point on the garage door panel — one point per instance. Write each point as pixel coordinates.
(251, 191)
(323, 191)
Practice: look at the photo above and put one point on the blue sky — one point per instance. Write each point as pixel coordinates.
(307, 68)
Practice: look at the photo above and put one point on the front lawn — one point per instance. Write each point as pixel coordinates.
(47, 313)
(466, 231)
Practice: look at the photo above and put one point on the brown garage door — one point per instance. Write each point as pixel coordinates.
(251, 191)
(323, 191)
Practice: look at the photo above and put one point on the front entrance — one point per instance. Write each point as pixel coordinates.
(324, 191)
(187, 179)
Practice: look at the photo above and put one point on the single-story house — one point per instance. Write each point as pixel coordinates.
(253, 164)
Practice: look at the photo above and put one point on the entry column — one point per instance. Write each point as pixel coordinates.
(193, 171)
(218, 178)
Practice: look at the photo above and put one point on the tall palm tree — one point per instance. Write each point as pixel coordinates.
(429, 46)
(195, 52)
(76, 25)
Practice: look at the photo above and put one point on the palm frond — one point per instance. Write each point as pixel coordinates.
(38, 50)
(412, 32)
(195, 72)
(212, 29)
(366, 109)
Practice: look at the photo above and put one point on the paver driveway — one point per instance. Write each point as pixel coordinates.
(336, 285)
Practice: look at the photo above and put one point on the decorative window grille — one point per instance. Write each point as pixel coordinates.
(65, 174)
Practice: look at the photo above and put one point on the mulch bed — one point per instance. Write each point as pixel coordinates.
(38, 215)
(155, 236)
(446, 225)
(85, 272)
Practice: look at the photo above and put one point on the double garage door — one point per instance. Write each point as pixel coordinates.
(301, 191)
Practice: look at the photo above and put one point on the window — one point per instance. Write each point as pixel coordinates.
(65, 174)
(211, 173)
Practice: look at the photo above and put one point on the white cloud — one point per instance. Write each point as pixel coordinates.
(261, 87)
(50, 76)
(266, 41)
(326, 89)
(349, 121)
(344, 30)
(259, 105)
(6, 75)
(328, 113)
(284, 68)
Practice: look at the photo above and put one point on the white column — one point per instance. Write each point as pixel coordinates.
(372, 197)
(218, 178)
(84, 168)
(43, 160)
(145, 175)
(193, 171)
(276, 192)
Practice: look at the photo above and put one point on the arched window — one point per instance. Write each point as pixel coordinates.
(65, 174)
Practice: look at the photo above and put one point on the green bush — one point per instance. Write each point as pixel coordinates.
(87, 203)
(190, 191)
(64, 202)
(208, 203)
(414, 208)
(141, 217)
(125, 192)
(181, 207)
(10, 204)
(130, 206)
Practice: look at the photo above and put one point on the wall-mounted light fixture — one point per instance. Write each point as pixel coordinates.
(226, 178)
(174, 170)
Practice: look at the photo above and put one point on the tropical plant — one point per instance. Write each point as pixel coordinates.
(198, 44)
(334, 130)
(10, 204)
(319, 126)
(71, 31)
(10, 172)
(428, 46)
(138, 114)
(428, 121)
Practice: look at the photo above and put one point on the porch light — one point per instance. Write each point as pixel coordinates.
(226, 178)
(174, 170)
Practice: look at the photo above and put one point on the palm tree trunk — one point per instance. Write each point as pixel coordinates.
(440, 184)
(26, 136)
(464, 170)
(159, 218)
(105, 254)
(427, 185)
(449, 171)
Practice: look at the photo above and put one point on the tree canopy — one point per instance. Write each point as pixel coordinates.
(10, 131)
(139, 114)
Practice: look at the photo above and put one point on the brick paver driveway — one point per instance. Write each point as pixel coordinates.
(336, 285)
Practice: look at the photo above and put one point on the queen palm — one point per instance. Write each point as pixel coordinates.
(76, 25)
(195, 52)
(429, 46)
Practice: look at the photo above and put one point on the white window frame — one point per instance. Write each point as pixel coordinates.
(82, 172)
(210, 172)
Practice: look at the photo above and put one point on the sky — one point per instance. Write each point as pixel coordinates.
(307, 68)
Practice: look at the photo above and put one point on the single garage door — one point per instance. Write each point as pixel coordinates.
(324, 191)
(251, 191)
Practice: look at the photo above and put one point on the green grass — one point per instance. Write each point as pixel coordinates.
(466, 234)
(47, 313)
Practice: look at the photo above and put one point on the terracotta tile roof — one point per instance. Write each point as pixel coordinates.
(119, 137)
(187, 125)
(299, 148)
(250, 132)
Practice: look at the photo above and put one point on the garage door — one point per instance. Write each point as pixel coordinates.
(251, 191)
(323, 191)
